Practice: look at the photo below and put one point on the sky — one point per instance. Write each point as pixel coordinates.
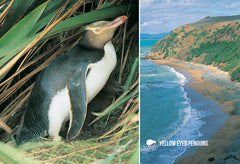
(163, 16)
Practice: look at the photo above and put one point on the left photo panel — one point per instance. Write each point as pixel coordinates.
(69, 81)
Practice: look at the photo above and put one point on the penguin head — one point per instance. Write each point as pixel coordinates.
(97, 34)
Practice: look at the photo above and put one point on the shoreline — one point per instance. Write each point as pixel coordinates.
(214, 117)
(225, 136)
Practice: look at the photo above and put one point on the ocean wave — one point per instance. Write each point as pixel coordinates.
(157, 85)
(187, 114)
(181, 78)
(150, 75)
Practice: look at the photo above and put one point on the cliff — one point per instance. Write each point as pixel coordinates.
(211, 41)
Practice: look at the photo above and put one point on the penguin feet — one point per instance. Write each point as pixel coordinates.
(56, 138)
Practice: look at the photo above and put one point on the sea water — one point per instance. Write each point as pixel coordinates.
(166, 111)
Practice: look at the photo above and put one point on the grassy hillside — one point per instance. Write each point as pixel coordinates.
(216, 44)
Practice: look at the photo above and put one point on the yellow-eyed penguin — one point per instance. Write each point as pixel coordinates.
(63, 90)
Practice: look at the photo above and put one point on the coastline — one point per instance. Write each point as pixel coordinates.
(220, 143)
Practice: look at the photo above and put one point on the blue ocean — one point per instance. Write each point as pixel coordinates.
(167, 111)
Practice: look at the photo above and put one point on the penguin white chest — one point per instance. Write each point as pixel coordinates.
(100, 71)
(59, 112)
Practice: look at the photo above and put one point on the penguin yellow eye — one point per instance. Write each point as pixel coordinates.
(98, 30)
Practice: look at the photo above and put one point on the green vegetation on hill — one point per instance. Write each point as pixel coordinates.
(223, 54)
(167, 41)
(235, 75)
(216, 44)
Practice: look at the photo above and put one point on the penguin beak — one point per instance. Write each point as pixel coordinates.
(116, 22)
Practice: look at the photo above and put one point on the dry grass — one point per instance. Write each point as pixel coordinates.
(86, 151)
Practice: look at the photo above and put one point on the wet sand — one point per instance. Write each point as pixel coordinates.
(225, 140)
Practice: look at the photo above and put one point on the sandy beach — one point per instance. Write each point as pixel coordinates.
(214, 84)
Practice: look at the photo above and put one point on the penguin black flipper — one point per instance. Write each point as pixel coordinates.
(77, 92)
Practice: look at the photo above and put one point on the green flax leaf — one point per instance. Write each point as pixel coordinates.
(23, 27)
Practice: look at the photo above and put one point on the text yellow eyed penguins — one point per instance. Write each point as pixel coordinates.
(63, 90)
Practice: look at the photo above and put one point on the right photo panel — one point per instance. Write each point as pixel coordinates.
(190, 81)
